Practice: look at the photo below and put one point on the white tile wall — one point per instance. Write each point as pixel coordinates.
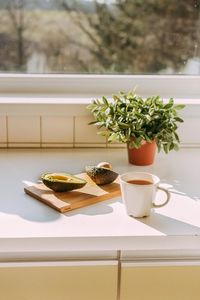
(87, 134)
(185, 129)
(3, 131)
(64, 131)
(24, 129)
(57, 129)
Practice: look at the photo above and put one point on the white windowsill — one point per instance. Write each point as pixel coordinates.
(175, 86)
(29, 99)
(72, 99)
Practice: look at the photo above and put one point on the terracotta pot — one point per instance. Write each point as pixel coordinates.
(144, 155)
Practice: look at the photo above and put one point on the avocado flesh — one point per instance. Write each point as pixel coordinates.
(62, 182)
(101, 175)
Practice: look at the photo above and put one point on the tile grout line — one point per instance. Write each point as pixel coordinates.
(106, 142)
(7, 138)
(38, 145)
(52, 143)
(40, 131)
(74, 128)
(118, 275)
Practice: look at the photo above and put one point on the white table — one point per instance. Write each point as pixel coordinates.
(28, 225)
(99, 241)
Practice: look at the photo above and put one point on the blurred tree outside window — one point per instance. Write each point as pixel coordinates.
(100, 36)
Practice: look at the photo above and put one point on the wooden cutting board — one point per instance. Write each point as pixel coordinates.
(67, 201)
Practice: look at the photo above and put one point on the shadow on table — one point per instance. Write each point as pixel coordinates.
(100, 208)
(33, 210)
(189, 188)
(27, 207)
(168, 225)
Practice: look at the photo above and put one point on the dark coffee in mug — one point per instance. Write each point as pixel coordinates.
(140, 181)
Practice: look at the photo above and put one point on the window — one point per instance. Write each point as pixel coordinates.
(100, 37)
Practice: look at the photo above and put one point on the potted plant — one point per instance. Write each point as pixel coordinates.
(143, 124)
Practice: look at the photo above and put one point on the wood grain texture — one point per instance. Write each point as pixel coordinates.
(67, 201)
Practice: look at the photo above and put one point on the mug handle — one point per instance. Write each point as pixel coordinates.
(167, 200)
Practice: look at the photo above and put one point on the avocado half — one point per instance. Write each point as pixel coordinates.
(101, 175)
(62, 182)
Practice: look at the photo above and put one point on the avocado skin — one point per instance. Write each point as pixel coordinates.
(101, 175)
(62, 186)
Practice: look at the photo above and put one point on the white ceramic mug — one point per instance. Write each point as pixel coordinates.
(139, 196)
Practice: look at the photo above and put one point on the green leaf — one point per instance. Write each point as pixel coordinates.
(123, 94)
(166, 147)
(146, 137)
(123, 125)
(179, 106)
(113, 137)
(103, 133)
(116, 98)
(93, 122)
(130, 95)
(91, 106)
(132, 144)
(171, 147)
(158, 145)
(179, 119)
(105, 101)
(176, 137)
(148, 117)
(168, 105)
(176, 147)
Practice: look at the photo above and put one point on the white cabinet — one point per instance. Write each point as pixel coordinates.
(160, 280)
(82, 280)
(98, 280)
